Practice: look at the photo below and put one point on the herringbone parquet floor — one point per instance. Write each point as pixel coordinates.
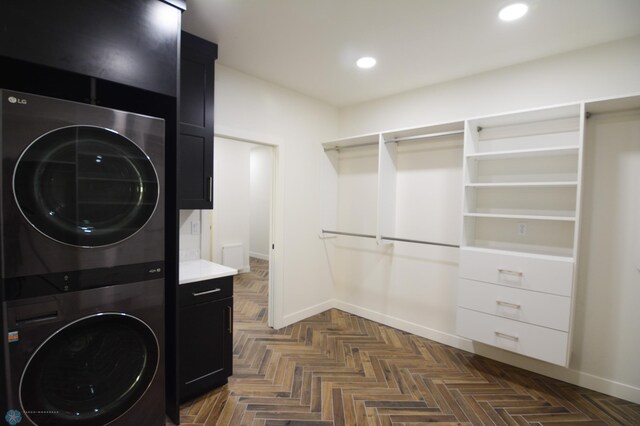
(339, 369)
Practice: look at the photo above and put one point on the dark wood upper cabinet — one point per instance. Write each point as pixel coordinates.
(134, 43)
(195, 168)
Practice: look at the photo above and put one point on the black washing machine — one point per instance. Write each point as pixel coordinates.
(82, 263)
(87, 358)
(82, 187)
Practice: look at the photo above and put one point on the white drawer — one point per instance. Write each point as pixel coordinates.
(529, 272)
(525, 339)
(547, 310)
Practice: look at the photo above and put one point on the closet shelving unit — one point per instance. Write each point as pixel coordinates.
(384, 212)
(349, 185)
(522, 185)
(401, 150)
(625, 109)
(521, 209)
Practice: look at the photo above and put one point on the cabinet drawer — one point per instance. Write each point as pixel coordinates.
(525, 339)
(528, 272)
(205, 291)
(547, 310)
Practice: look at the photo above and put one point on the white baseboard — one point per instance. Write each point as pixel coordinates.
(259, 255)
(305, 313)
(569, 375)
(411, 327)
(579, 378)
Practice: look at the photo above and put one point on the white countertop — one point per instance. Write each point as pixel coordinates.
(201, 270)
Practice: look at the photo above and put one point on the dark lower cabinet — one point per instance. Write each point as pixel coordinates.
(197, 61)
(205, 336)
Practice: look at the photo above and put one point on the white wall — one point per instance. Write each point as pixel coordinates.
(253, 109)
(607, 333)
(602, 71)
(231, 198)
(242, 194)
(260, 198)
(414, 287)
(190, 239)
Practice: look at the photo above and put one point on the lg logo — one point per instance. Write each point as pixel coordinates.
(15, 100)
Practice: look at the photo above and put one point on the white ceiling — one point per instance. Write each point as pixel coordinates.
(311, 45)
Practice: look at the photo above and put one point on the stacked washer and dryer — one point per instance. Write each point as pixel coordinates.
(82, 226)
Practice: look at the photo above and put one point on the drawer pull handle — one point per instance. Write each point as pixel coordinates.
(508, 304)
(202, 293)
(509, 272)
(506, 336)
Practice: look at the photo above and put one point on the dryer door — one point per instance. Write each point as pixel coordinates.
(85, 186)
(90, 372)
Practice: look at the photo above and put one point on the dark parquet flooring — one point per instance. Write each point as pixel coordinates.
(339, 369)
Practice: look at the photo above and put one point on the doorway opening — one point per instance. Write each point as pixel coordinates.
(240, 231)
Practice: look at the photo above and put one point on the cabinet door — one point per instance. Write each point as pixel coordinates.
(134, 43)
(205, 352)
(196, 122)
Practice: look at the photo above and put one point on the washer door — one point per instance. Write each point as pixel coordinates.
(85, 186)
(90, 372)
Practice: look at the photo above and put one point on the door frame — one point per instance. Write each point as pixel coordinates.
(276, 231)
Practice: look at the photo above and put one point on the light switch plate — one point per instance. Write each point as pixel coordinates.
(195, 228)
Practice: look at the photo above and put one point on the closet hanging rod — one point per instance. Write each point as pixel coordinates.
(425, 136)
(405, 240)
(338, 148)
(349, 234)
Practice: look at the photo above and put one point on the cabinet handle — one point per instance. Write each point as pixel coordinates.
(211, 189)
(508, 304)
(509, 272)
(202, 293)
(230, 313)
(506, 336)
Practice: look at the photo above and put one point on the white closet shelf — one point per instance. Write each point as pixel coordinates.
(548, 253)
(353, 142)
(523, 216)
(615, 105)
(479, 249)
(551, 184)
(547, 116)
(523, 153)
(423, 132)
(423, 137)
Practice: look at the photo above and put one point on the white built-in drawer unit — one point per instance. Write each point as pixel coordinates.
(546, 310)
(547, 274)
(526, 339)
(520, 226)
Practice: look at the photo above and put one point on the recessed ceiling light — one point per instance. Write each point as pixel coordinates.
(366, 62)
(513, 12)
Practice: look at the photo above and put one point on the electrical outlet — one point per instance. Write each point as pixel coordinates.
(195, 228)
(522, 228)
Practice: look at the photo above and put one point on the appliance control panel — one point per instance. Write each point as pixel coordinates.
(63, 282)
